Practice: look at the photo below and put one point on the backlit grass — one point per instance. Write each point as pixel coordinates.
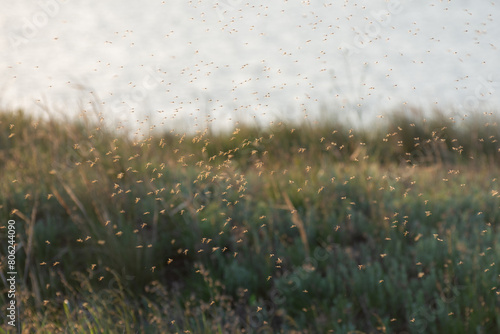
(308, 228)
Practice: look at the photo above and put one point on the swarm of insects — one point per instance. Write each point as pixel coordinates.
(240, 167)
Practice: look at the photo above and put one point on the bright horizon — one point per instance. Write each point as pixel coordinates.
(180, 63)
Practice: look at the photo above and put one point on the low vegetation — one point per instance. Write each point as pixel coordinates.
(311, 228)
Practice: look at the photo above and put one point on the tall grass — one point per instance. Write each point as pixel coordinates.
(308, 228)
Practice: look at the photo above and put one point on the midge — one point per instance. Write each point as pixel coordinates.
(30, 26)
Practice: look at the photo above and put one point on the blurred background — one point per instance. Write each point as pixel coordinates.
(186, 64)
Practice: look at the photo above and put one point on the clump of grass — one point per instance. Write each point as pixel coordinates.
(306, 228)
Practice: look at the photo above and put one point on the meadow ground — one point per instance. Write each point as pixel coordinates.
(311, 228)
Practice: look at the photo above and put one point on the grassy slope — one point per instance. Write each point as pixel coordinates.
(311, 229)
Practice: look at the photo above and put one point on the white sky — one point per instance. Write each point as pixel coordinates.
(172, 61)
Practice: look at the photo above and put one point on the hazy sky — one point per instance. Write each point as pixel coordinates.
(230, 59)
